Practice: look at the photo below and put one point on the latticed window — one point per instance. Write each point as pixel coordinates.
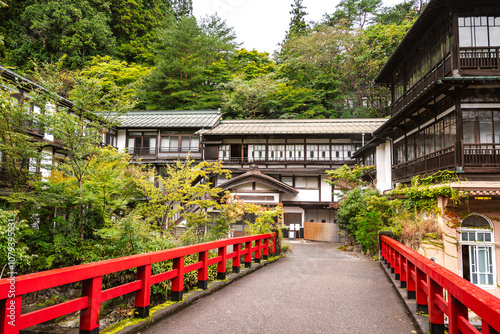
(224, 151)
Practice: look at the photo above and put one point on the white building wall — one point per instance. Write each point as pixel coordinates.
(384, 168)
(121, 140)
(326, 190)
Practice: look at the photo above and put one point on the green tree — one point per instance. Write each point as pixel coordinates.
(133, 23)
(53, 28)
(78, 129)
(399, 13)
(2, 4)
(115, 76)
(20, 155)
(183, 188)
(184, 76)
(180, 8)
(298, 25)
(353, 14)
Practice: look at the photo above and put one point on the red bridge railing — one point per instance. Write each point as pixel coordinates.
(11, 292)
(427, 281)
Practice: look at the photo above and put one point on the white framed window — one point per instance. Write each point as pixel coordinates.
(259, 152)
(276, 152)
(478, 250)
(224, 151)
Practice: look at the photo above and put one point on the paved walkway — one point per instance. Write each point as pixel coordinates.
(317, 289)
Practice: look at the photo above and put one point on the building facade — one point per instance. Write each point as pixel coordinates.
(445, 115)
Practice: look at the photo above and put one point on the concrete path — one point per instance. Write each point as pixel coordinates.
(317, 289)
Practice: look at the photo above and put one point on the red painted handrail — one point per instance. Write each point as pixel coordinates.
(90, 274)
(425, 281)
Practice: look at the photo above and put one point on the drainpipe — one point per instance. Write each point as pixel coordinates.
(362, 139)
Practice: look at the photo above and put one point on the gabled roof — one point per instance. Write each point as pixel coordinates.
(255, 175)
(170, 119)
(297, 126)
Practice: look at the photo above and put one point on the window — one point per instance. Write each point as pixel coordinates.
(110, 138)
(287, 180)
(481, 126)
(480, 31)
(477, 246)
(142, 142)
(259, 152)
(306, 182)
(179, 143)
(276, 152)
(295, 152)
(224, 151)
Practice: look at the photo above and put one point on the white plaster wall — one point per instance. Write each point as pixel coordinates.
(304, 195)
(121, 140)
(326, 190)
(384, 168)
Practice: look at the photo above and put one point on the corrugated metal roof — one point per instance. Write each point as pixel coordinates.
(297, 126)
(170, 119)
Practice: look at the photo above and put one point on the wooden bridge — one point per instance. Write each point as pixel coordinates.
(317, 289)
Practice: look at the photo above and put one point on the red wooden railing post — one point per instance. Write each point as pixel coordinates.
(248, 255)
(203, 271)
(404, 272)
(258, 244)
(237, 258)
(397, 267)
(89, 317)
(178, 281)
(436, 316)
(221, 268)
(422, 302)
(410, 284)
(389, 257)
(265, 251)
(457, 309)
(393, 261)
(10, 315)
(143, 296)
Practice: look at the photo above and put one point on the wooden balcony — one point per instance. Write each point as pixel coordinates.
(428, 164)
(481, 155)
(154, 153)
(479, 58)
(441, 70)
(316, 161)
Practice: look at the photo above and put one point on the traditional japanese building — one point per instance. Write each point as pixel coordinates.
(283, 162)
(445, 115)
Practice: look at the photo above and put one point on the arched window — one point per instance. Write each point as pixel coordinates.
(478, 263)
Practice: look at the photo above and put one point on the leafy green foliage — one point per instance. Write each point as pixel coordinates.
(408, 211)
(13, 248)
(345, 178)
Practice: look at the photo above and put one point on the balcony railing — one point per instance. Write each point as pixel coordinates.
(438, 160)
(482, 155)
(155, 152)
(289, 160)
(479, 58)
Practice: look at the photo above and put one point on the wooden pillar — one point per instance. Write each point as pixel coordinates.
(89, 317)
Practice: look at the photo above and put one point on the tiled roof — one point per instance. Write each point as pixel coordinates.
(297, 126)
(170, 119)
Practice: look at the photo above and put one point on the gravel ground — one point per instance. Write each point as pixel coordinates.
(317, 289)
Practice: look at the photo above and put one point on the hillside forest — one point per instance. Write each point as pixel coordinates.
(169, 60)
